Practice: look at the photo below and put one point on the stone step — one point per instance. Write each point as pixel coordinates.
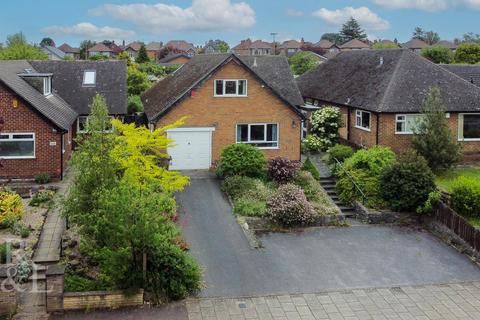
(327, 178)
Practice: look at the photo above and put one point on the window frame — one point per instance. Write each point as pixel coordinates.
(47, 83)
(405, 121)
(253, 142)
(224, 95)
(94, 78)
(10, 134)
(357, 111)
(460, 124)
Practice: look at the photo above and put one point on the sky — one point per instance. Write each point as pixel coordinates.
(197, 21)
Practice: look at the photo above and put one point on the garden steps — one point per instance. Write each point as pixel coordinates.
(328, 183)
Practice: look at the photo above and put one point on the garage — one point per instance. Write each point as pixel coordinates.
(192, 148)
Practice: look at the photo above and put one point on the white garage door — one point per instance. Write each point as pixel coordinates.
(192, 149)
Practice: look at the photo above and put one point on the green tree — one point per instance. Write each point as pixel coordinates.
(332, 37)
(124, 56)
(352, 30)
(142, 56)
(47, 42)
(432, 138)
(84, 46)
(134, 104)
(224, 47)
(438, 54)
(137, 81)
(97, 57)
(430, 37)
(384, 45)
(471, 38)
(468, 53)
(302, 62)
(17, 48)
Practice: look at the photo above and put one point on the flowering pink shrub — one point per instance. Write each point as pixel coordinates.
(282, 170)
(289, 207)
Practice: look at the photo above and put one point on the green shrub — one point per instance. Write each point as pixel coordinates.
(134, 104)
(368, 183)
(373, 160)
(465, 196)
(237, 186)
(76, 283)
(241, 159)
(282, 170)
(42, 178)
(245, 206)
(406, 184)
(41, 197)
(11, 207)
(434, 198)
(289, 207)
(312, 144)
(315, 194)
(340, 152)
(325, 123)
(310, 167)
(20, 229)
(4, 252)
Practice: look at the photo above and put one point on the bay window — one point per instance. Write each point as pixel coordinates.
(405, 123)
(469, 127)
(362, 120)
(230, 88)
(261, 135)
(17, 145)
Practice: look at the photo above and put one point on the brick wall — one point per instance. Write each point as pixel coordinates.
(100, 300)
(362, 137)
(261, 106)
(25, 119)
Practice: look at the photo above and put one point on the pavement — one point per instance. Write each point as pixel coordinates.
(316, 260)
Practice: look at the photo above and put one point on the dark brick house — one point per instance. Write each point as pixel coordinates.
(381, 93)
(43, 104)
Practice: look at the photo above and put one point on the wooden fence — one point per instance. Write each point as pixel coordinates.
(459, 225)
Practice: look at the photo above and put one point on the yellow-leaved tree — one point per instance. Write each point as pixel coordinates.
(141, 152)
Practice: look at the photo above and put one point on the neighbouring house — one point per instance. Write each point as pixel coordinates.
(290, 47)
(327, 46)
(132, 49)
(111, 50)
(248, 47)
(182, 46)
(416, 45)
(381, 93)
(213, 46)
(354, 44)
(174, 59)
(153, 50)
(227, 99)
(45, 104)
(447, 44)
(469, 72)
(388, 43)
(69, 51)
(53, 53)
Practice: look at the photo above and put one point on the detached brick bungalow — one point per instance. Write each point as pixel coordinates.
(381, 93)
(43, 104)
(228, 99)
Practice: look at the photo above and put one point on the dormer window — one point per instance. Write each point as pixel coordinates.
(89, 78)
(47, 86)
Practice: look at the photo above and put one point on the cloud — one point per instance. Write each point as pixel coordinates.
(202, 15)
(368, 19)
(294, 13)
(91, 31)
(427, 5)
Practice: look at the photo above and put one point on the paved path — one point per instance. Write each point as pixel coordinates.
(316, 159)
(312, 261)
(435, 302)
(48, 249)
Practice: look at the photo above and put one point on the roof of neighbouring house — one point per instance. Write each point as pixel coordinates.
(469, 72)
(273, 71)
(135, 46)
(55, 51)
(324, 44)
(243, 45)
(390, 80)
(259, 44)
(415, 44)
(173, 56)
(53, 107)
(180, 45)
(100, 47)
(291, 44)
(446, 44)
(154, 46)
(67, 82)
(68, 49)
(354, 44)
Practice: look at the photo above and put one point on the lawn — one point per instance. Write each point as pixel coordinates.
(445, 181)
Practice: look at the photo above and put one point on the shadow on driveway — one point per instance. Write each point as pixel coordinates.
(314, 261)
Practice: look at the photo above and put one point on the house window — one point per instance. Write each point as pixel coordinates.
(405, 123)
(47, 86)
(17, 145)
(261, 135)
(469, 127)
(89, 77)
(230, 88)
(362, 120)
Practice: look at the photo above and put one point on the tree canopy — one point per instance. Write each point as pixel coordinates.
(438, 54)
(352, 30)
(430, 37)
(47, 42)
(468, 53)
(142, 56)
(17, 48)
(302, 62)
(332, 37)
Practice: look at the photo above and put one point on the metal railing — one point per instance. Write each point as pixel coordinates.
(352, 180)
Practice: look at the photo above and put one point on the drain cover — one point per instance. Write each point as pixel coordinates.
(242, 305)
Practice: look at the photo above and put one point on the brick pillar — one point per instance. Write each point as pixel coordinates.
(55, 277)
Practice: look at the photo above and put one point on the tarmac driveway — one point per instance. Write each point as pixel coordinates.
(312, 261)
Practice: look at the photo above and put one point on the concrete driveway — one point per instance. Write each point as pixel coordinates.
(312, 261)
